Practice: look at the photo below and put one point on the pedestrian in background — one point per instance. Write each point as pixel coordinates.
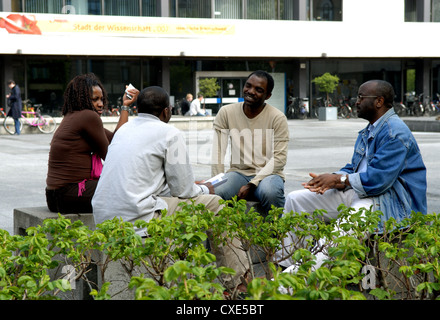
(15, 104)
(184, 105)
(195, 108)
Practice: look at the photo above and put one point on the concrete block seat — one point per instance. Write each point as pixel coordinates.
(34, 216)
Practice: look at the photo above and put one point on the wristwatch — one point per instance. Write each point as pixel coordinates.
(125, 108)
(343, 178)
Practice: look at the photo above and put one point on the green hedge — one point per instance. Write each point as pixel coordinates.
(402, 263)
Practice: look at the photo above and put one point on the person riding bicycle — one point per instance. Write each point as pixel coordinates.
(79, 144)
(15, 104)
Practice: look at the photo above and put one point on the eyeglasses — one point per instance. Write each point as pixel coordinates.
(360, 97)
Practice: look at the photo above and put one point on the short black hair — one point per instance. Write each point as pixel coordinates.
(385, 89)
(267, 76)
(153, 100)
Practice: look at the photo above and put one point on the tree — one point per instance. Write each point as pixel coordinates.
(327, 83)
(208, 87)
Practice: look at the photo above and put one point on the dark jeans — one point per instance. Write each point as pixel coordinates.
(17, 126)
(66, 200)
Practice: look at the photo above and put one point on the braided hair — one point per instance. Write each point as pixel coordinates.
(79, 91)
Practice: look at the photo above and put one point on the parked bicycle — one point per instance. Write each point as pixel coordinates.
(418, 109)
(352, 104)
(414, 104)
(44, 123)
(431, 108)
(323, 102)
(344, 108)
(297, 108)
(401, 109)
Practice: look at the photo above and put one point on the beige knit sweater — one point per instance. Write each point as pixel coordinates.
(258, 146)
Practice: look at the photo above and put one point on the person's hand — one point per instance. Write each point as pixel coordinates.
(134, 93)
(208, 184)
(323, 182)
(245, 190)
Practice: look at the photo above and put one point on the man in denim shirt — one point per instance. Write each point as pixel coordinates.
(386, 171)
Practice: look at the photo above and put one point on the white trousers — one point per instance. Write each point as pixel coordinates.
(307, 201)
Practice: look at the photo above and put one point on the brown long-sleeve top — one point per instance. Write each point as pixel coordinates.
(79, 134)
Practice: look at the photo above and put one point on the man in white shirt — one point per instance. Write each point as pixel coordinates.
(147, 169)
(195, 108)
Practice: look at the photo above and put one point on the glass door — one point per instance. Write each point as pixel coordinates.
(231, 89)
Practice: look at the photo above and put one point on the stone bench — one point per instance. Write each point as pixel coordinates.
(34, 216)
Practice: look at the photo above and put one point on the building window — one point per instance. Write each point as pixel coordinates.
(95, 7)
(149, 8)
(410, 10)
(324, 10)
(422, 11)
(146, 8)
(435, 10)
(190, 8)
(121, 8)
(287, 10)
(38, 6)
(92, 7)
(261, 9)
(228, 9)
(235, 9)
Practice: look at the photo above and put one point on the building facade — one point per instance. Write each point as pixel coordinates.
(175, 43)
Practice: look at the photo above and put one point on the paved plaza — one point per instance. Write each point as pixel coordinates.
(315, 146)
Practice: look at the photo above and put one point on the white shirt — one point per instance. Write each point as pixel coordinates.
(146, 159)
(195, 108)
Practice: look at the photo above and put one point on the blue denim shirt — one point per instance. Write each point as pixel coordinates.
(396, 176)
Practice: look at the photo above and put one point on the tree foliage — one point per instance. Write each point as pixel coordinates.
(326, 83)
(209, 87)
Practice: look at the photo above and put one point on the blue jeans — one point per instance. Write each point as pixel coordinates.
(17, 126)
(269, 192)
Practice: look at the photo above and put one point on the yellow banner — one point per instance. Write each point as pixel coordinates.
(43, 24)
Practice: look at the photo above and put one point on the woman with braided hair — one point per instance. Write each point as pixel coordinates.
(79, 144)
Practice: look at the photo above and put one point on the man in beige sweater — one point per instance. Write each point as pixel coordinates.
(259, 137)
